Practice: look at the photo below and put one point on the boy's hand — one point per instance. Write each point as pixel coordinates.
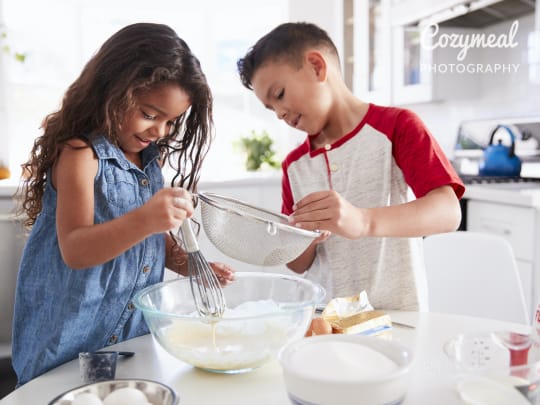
(327, 210)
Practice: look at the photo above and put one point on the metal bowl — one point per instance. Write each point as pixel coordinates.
(156, 392)
(251, 234)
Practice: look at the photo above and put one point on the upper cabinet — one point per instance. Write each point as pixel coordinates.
(423, 70)
(405, 12)
(391, 56)
(368, 49)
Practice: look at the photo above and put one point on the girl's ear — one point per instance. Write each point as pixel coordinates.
(317, 63)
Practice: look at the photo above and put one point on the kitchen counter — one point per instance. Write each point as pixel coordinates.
(432, 374)
(8, 187)
(525, 194)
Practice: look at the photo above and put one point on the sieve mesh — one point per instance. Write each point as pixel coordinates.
(251, 234)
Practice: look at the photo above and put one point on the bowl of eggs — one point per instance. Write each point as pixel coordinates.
(264, 312)
(346, 370)
(119, 392)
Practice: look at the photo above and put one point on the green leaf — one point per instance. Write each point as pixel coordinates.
(258, 148)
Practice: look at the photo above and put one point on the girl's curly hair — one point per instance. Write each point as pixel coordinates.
(135, 59)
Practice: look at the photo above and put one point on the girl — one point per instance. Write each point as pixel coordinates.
(94, 196)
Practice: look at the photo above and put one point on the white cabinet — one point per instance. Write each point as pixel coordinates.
(518, 225)
(13, 238)
(368, 49)
(393, 55)
(406, 12)
(425, 69)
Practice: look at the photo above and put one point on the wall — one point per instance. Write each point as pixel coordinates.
(501, 94)
(328, 14)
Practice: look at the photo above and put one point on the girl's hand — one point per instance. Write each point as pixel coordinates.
(168, 208)
(224, 273)
(323, 236)
(328, 210)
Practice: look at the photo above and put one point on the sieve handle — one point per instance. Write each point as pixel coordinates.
(190, 241)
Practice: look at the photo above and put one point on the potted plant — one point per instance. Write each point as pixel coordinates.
(259, 151)
(4, 45)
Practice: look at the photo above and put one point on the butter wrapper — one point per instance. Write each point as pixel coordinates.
(342, 307)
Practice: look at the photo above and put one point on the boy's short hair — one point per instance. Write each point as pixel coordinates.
(286, 42)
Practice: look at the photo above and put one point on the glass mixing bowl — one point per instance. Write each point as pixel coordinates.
(264, 312)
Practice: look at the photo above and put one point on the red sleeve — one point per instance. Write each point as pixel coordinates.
(287, 200)
(420, 157)
(286, 193)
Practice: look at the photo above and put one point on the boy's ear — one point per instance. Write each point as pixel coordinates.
(317, 62)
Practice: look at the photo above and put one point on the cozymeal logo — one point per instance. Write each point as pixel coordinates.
(431, 39)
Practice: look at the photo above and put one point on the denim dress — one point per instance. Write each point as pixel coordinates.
(60, 311)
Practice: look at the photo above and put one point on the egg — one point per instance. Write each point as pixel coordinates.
(319, 326)
(125, 396)
(87, 398)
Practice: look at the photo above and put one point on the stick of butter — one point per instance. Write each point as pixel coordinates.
(365, 323)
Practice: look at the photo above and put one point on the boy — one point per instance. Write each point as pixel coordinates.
(350, 177)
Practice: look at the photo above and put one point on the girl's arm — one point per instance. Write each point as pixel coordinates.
(177, 261)
(85, 244)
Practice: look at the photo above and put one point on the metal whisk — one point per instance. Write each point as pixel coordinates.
(205, 286)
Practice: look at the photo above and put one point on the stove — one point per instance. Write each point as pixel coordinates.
(477, 179)
(474, 136)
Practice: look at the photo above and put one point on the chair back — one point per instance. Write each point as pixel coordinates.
(473, 273)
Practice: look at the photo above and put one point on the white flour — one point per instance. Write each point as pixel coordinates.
(341, 361)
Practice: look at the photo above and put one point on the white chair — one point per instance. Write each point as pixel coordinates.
(473, 273)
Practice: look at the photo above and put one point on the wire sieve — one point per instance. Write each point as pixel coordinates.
(251, 234)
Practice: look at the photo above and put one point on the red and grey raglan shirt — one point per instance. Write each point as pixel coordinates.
(388, 154)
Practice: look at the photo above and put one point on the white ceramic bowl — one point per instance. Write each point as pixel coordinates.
(156, 392)
(346, 369)
(264, 312)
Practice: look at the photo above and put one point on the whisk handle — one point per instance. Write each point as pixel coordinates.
(190, 241)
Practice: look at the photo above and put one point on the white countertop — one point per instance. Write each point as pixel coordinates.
(432, 380)
(525, 194)
(8, 187)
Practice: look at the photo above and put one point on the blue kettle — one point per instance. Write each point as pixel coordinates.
(500, 160)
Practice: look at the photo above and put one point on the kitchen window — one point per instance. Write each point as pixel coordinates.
(59, 36)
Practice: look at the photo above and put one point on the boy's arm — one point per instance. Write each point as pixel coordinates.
(438, 211)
